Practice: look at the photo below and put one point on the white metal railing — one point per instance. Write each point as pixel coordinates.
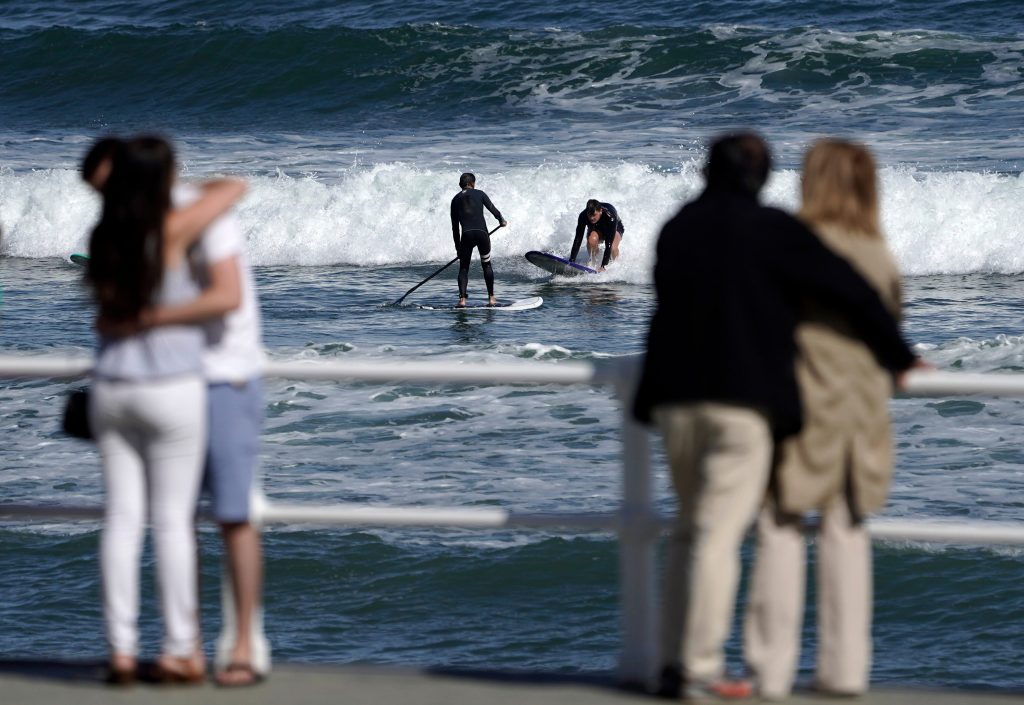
(637, 523)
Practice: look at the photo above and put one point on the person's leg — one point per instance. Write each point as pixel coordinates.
(123, 523)
(465, 259)
(244, 551)
(615, 245)
(683, 438)
(484, 245)
(176, 413)
(775, 604)
(719, 457)
(236, 417)
(844, 601)
(735, 471)
(593, 242)
(609, 253)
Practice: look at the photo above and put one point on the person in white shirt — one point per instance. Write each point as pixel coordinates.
(231, 362)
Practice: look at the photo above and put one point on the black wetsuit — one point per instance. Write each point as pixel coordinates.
(606, 226)
(468, 212)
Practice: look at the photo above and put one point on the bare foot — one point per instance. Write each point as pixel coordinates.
(462, 303)
(492, 302)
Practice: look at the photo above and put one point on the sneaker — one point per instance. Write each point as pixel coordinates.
(722, 689)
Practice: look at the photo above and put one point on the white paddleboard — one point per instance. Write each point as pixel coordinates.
(520, 305)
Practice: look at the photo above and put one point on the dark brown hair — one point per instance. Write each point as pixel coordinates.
(126, 246)
(101, 150)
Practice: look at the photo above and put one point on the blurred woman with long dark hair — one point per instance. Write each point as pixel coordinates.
(148, 401)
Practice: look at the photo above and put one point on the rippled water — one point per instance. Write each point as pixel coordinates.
(352, 123)
(501, 599)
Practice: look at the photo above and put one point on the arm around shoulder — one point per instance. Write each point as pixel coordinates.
(222, 296)
(184, 225)
(818, 272)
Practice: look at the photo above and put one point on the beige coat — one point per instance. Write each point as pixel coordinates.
(845, 397)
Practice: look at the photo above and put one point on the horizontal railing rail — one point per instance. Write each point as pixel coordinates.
(964, 533)
(925, 383)
(637, 523)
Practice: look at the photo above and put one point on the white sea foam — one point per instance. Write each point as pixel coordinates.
(1001, 353)
(385, 214)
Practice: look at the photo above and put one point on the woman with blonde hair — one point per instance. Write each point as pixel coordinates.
(840, 463)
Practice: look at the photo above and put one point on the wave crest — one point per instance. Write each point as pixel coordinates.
(393, 214)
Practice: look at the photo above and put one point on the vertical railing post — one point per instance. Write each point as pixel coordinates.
(638, 533)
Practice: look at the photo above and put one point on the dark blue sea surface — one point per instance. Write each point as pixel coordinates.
(352, 122)
(377, 72)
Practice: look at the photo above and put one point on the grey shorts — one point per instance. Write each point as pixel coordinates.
(232, 456)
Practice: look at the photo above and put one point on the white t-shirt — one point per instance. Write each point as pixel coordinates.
(234, 351)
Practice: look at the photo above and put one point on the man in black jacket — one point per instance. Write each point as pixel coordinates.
(719, 381)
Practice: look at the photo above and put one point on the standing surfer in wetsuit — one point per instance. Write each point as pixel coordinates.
(602, 223)
(468, 212)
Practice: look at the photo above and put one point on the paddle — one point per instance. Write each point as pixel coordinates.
(434, 274)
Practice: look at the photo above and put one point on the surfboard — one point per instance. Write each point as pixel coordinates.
(520, 305)
(557, 265)
(77, 258)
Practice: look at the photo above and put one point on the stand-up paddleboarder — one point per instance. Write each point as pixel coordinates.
(468, 213)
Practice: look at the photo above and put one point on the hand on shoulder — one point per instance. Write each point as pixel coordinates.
(184, 225)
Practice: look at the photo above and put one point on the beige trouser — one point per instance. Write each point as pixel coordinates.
(719, 456)
(775, 608)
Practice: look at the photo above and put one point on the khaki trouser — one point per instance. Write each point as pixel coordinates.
(775, 608)
(719, 456)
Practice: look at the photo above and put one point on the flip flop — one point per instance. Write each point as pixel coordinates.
(182, 672)
(254, 677)
(121, 671)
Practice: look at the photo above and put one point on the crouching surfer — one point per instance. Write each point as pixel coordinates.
(602, 224)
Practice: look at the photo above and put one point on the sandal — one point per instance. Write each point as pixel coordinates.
(250, 675)
(177, 670)
(121, 671)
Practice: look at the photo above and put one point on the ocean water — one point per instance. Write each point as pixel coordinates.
(352, 122)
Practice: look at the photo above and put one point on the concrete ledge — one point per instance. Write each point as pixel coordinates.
(80, 683)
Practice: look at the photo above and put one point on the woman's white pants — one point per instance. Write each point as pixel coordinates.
(152, 438)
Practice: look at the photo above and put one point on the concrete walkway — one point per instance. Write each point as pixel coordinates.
(27, 683)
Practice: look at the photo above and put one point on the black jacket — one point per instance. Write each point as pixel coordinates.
(729, 278)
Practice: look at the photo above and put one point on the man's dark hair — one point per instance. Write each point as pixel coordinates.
(739, 163)
(467, 180)
(101, 151)
(593, 203)
(593, 209)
